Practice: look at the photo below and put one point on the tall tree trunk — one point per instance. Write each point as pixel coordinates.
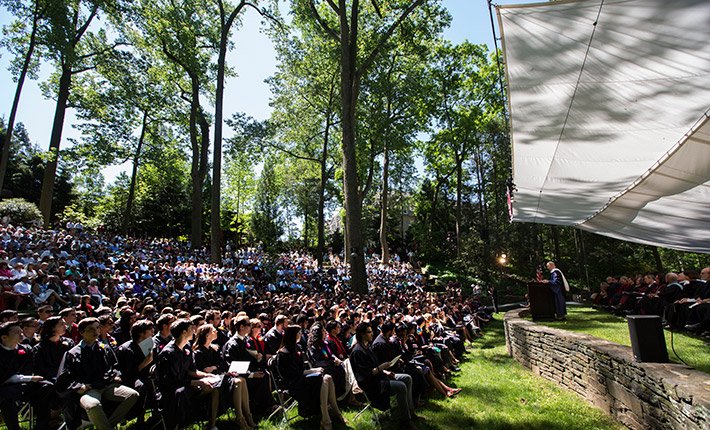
(215, 206)
(50, 170)
(16, 101)
(134, 176)
(204, 155)
(305, 230)
(239, 223)
(482, 205)
(216, 201)
(349, 88)
(346, 239)
(401, 212)
(498, 193)
(657, 259)
(459, 185)
(383, 206)
(320, 250)
(584, 259)
(556, 242)
(197, 179)
(434, 203)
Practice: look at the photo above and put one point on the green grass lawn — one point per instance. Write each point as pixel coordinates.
(604, 325)
(498, 393)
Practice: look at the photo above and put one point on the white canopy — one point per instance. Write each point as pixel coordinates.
(609, 103)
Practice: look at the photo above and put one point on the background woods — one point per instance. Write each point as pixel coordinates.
(384, 138)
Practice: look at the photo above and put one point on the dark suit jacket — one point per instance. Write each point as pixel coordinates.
(236, 350)
(382, 349)
(83, 364)
(48, 356)
(272, 341)
(130, 356)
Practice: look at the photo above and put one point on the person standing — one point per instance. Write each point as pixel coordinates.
(558, 285)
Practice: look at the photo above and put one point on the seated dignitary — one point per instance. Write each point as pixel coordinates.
(377, 382)
(180, 383)
(310, 387)
(18, 383)
(89, 371)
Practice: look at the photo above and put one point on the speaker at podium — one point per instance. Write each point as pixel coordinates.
(542, 303)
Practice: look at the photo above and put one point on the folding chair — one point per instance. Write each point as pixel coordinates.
(153, 399)
(373, 411)
(26, 414)
(284, 399)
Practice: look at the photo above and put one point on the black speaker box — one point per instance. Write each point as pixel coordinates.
(647, 340)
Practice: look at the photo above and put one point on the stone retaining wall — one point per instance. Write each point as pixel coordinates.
(639, 395)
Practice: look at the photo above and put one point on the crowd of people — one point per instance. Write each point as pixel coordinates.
(104, 328)
(681, 299)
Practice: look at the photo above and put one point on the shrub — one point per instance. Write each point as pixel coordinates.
(19, 211)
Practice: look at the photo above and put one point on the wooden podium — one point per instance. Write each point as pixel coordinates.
(542, 304)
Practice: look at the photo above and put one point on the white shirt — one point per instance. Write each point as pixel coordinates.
(22, 288)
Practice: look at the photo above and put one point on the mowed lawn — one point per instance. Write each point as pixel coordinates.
(498, 393)
(582, 319)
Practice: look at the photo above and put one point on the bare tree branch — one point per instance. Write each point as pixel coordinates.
(386, 35)
(376, 5)
(291, 153)
(332, 33)
(82, 69)
(80, 32)
(334, 6)
(264, 13)
(103, 51)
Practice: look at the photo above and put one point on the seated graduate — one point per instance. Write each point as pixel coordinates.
(258, 383)
(209, 360)
(413, 364)
(18, 381)
(29, 328)
(386, 351)
(162, 336)
(273, 337)
(89, 370)
(214, 317)
(320, 355)
(50, 350)
(179, 381)
(377, 382)
(430, 352)
(106, 325)
(255, 343)
(135, 365)
(333, 328)
(310, 387)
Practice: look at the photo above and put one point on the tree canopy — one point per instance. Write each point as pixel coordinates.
(384, 137)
